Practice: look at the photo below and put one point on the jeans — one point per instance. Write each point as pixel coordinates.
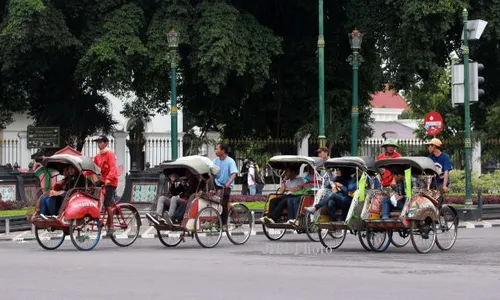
(253, 189)
(387, 205)
(293, 206)
(332, 201)
(50, 206)
(44, 205)
(278, 205)
(172, 203)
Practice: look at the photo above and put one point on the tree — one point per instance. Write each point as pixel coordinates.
(39, 54)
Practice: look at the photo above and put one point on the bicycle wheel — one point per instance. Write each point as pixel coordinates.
(363, 240)
(400, 239)
(423, 235)
(311, 222)
(378, 239)
(239, 224)
(49, 238)
(85, 233)
(169, 238)
(273, 234)
(126, 223)
(333, 238)
(448, 228)
(208, 227)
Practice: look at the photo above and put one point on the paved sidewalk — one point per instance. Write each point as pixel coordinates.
(149, 232)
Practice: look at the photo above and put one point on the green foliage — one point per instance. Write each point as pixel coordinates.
(487, 182)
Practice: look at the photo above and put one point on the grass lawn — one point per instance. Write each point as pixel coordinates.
(16, 212)
(255, 205)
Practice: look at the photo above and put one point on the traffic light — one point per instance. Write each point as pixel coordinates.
(476, 80)
(457, 83)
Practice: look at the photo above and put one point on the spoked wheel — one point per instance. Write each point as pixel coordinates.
(208, 227)
(332, 239)
(49, 238)
(363, 241)
(239, 224)
(447, 230)
(169, 238)
(311, 222)
(423, 235)
(273, 234)
(85, 233)
(378, 239)
(400, 238)
(126, 222)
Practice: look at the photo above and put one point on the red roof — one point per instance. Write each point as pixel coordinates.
(388, 99)
(69, 150)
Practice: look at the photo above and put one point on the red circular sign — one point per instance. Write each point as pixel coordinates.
(433, 123)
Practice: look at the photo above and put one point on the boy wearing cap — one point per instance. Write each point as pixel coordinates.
(443, 164)
(389, 146)
(106, 161)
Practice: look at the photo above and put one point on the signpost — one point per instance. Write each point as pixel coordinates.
(43, 137)
(433, 123)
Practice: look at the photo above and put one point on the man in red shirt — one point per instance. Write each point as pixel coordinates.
(390, 146)
(106, 161)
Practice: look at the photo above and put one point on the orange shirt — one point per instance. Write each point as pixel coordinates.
(106, 160)
(387, 175)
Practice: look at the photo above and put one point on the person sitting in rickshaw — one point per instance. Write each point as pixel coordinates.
(342, 190)
(290, 184)
(191, 187)
(52, 203)
(397, 198)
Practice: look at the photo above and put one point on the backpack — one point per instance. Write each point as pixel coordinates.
(258, 176)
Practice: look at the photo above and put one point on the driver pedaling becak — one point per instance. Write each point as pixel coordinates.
(106, 161)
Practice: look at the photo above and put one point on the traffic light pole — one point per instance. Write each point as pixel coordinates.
(468, 143)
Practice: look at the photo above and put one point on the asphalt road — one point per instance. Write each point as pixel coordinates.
(298, 269)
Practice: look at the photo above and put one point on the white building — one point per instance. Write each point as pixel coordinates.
(13, 146)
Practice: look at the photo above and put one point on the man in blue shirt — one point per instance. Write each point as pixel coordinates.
(224, 180)
(443, 164)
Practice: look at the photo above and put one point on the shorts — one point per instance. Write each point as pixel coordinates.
(109, 195)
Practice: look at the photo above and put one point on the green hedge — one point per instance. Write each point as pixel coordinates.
(490, 182)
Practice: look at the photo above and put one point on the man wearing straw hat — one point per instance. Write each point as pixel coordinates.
(389, 146)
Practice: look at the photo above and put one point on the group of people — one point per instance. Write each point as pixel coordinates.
(396, 179)
(253, 183)
(178, 192)
(342, 184)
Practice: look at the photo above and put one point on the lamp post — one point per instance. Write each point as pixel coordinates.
(468, 145)
(321, 71)
(355, 59)
(173, 43)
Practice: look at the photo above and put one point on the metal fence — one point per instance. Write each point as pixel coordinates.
(158, 150)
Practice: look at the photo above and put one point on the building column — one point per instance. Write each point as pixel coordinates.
(24, 153)
(121, 156)
(476, 158)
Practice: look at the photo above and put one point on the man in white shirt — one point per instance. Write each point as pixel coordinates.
(252, 186)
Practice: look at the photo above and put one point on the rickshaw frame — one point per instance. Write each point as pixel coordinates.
(423, 208)
(197, 205)
(337, 230)
(81, 206)
(306, 224)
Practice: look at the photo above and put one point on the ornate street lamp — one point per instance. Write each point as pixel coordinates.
(173, 43)
(355, 59)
